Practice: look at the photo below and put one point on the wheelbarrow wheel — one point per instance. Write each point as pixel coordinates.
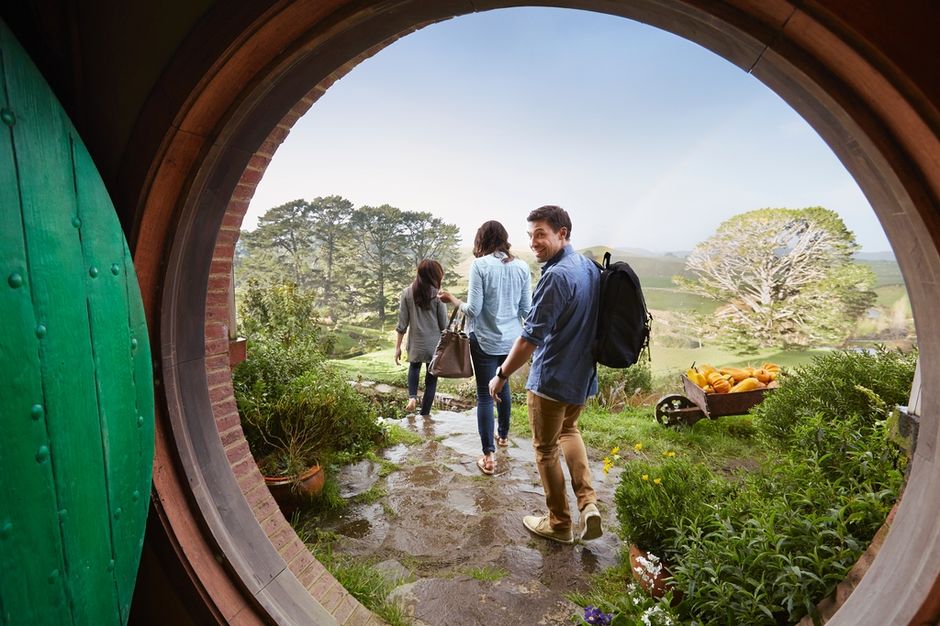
(668, 409)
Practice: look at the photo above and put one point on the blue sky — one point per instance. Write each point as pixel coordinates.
(648, 140)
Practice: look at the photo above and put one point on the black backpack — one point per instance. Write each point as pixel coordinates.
(623, 323)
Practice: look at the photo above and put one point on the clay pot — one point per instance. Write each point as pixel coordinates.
(651, 573)
(291, 491)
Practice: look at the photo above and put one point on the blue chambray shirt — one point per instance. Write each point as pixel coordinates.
(562, 324)
(499, 296)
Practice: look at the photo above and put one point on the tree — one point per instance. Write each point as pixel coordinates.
(286, 232)
(429, 237)
(379, 233)
(785, 277)
(332, 230)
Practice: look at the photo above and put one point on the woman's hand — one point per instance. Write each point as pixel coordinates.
(449, 298)
(397, 355)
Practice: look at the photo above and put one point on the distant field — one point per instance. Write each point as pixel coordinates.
(659, 299)
(667, 360)
(662, 296)
(886, 272)
(888, 295)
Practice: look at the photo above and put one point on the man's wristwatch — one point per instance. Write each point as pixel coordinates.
(499, 373)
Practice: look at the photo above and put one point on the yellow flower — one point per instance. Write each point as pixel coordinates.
(669, 453)
(607, 464)
(615, 450)
(657, 481)
(638, 447)
(645, 476)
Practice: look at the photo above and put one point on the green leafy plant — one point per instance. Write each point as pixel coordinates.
(836, 384)
(294, 409)
(776, 544)
(652, 499)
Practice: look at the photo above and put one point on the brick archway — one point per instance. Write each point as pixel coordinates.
(239, 104)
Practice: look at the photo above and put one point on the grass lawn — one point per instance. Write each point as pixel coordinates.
(724, 444)
(352, 340)
(662, 299)
(669, 360)
(380, 367)
(888, 295)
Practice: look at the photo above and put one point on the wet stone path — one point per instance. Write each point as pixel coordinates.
(442, 520)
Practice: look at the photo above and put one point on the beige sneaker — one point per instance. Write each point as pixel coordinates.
(541, 527)
(590, 523)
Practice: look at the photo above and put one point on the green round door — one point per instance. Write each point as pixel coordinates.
(76, 387)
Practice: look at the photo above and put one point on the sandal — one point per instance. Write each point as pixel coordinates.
(487, 466)
(502, 442)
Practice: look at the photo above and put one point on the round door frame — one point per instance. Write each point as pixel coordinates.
(243, 72)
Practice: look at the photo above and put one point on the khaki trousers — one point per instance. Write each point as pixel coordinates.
(555, 427)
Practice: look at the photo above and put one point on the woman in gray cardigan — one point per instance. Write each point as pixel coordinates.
(424, 317)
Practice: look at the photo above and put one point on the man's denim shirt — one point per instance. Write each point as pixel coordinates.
(562, 324)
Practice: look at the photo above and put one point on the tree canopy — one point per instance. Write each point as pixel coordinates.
(344, 258)
(784, 277)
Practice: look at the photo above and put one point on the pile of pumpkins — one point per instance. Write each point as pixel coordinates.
(733, 379)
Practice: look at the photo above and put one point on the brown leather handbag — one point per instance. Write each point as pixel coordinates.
(452, 355)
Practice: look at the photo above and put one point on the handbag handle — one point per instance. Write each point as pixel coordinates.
(463, 320)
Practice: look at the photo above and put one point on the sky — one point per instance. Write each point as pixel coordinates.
(648, 140)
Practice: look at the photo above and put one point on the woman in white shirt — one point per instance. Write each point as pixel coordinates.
(498, 299)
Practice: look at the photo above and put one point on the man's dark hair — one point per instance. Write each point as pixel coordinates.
(556, 217)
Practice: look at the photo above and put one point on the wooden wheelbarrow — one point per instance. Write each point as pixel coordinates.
(684, 410)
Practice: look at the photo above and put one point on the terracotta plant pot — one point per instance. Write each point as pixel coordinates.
(650, 573)
(290, 491)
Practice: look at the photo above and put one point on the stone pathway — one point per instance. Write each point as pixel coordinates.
(442, 519)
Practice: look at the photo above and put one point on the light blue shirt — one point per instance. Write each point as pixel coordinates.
(498, 299)
(562, 325)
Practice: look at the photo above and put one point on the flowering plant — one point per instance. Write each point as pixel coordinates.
(652, 498)
(632, 609)
(594, 616)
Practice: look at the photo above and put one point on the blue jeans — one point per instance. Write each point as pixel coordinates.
(484, 368)
(430, 386)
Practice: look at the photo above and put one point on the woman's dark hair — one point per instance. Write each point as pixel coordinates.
(491, 237)
(430, 274)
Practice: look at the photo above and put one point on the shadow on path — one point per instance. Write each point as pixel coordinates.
(442, 520)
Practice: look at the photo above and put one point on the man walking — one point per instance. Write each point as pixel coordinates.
(558, 334)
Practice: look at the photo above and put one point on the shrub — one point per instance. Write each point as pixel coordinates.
(782, 539)
(617, 386)
(836, 385)
(284, 341)
(780, 542)
(652, 499)
(328, 409)
(262, 380)
(293, 408)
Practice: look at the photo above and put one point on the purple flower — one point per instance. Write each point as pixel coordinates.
(593, 615)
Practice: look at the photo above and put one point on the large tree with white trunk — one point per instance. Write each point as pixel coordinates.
(783, 278)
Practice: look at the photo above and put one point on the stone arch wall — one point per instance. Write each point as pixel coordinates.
(322, 587)
(882, 123)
